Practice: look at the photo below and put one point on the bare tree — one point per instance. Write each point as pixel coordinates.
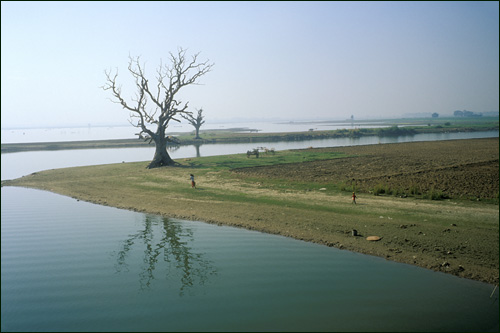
(196, 122)
(152, 119)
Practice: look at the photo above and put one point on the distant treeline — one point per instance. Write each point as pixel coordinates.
(385, 131)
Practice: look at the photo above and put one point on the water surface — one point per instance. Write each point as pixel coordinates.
(15, 165)
(55, 134)
(69, 265)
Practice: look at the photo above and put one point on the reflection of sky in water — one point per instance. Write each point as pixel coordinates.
(128, 132)
(15, 165)
(68, 265)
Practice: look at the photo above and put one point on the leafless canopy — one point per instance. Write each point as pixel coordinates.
(154, 106)
(164, 105)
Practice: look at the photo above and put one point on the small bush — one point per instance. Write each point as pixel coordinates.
(345, 186)
(355, 133)
(434, 194)
(399, 192)
(381, 189)
(414, 190)
(394, 131)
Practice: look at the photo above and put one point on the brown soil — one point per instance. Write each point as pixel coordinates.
(456, 170)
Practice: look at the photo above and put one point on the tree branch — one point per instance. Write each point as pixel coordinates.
(164, 106)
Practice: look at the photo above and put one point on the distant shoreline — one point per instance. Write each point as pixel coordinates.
(64, 145)
(225, 136)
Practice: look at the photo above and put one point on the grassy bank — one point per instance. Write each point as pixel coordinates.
(454, 236)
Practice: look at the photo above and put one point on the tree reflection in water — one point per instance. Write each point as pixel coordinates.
(168, 241)
(197, 147)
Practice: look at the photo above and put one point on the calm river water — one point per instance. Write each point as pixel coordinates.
(68, 265)
(16, 165)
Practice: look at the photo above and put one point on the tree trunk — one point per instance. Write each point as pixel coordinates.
(197, 133)
(161, 158)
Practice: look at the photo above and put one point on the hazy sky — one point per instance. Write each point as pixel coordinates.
(286, 60)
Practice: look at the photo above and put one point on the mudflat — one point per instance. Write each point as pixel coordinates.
(311, 200)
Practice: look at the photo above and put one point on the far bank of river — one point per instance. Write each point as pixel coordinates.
(228, 136)
(18, 164)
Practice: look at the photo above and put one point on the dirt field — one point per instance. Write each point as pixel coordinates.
(444, 168)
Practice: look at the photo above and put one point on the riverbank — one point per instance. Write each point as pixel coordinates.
(239, 135)
(459, 237)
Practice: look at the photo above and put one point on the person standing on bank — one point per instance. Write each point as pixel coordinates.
(354, 198)
(193, 183)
